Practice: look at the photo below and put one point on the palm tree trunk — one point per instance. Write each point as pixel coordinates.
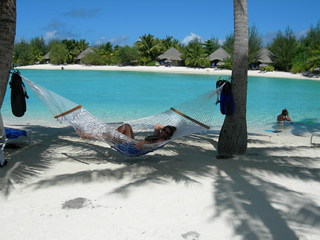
(233, 136)
(7, 36)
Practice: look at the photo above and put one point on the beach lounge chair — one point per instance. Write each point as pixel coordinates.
(10, 135)
(314, 135)
(3, 141)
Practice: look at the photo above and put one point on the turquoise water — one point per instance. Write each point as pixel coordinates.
(119, 96)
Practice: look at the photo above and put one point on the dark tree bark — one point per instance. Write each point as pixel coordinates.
(7, 36)
(233, 137)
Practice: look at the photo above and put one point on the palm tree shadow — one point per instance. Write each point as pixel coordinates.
(238, 189)
(243, 187)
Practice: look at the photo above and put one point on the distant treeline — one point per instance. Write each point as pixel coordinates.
(289, 53)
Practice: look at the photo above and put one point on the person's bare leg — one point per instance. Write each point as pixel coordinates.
(126, 130)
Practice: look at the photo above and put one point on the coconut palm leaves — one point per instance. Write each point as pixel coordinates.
(149, 47)
(195, 55)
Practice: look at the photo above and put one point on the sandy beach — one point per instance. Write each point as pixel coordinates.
(163, 69)
(61, 187)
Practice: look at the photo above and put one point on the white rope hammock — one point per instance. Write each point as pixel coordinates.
(194, 116)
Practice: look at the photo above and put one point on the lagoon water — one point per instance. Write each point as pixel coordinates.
(119, 96)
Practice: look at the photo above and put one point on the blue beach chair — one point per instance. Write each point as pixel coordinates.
(9, 135)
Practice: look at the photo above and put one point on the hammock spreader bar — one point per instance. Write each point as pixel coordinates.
(190, 118)
(69, 111)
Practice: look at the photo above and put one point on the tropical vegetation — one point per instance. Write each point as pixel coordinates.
(289, 52)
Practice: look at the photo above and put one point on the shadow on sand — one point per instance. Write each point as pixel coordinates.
(238, 187)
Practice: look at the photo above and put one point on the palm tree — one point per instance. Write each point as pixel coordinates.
(211, 45)
(233, 136)
(7, 36)
(149, 47)
(195, 55)
(169, 42)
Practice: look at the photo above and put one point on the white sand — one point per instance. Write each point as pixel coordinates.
(183, 70)
(62, 187)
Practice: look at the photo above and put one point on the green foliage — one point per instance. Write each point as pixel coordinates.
(127, 55)
(105, 52)
(38, 47)
(268, 68)
(228, 43)
(169, 42)
(255, 44)
(284, 48)
(195, 55)
(300, 63)
(93, 58)
(312, 39)
(149, 47)
(22, 54)
(289, 53)
(74, 48)
(227, 63)
(314, 60)
(211, 45)
(152, 63)
(59, 53)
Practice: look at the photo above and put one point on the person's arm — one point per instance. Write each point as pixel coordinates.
(139, 144)
(288, 117)
(157, 128)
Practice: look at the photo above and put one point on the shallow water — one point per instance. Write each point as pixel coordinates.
(119, 96)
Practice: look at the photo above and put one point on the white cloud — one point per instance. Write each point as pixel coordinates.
(190, 37)
(50, 35)
(59, 30)
(121, 40)
(100, 41)
(302, 33)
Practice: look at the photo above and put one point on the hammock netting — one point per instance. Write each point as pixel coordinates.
(194, 116)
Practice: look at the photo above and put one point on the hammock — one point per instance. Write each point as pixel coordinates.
(194, 116)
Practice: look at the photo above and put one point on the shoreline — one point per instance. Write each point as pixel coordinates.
(163, 69)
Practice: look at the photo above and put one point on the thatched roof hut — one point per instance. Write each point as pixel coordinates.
(171, 54)
(264, 56)
(84, 53)
(47, 56)
(219, 55)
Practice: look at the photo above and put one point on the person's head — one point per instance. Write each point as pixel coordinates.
(284, 112)
(167, 131)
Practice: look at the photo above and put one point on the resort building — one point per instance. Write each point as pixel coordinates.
(218, 56)
(171, 57)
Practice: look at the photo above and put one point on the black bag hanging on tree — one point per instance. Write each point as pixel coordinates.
(18, 95)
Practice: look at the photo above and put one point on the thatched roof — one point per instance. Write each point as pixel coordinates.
(264, 56)
(85, 53)
(219, 54)
(171, 54)
(47, 56)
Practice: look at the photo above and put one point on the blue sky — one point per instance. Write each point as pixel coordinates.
(124, 21)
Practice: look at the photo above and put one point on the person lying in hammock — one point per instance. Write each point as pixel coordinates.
(160, 134)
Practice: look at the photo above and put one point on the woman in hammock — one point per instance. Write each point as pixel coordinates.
(160, 134)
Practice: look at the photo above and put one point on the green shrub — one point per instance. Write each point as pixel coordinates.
(268, 68)
(152, 63)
